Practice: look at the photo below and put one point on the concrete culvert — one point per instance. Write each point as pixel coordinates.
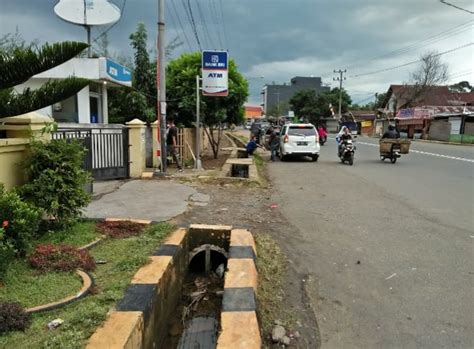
(197, 258)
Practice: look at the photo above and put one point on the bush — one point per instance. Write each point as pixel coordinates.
(57, 179)
(46, 258)
(20, 222)
(13, 317)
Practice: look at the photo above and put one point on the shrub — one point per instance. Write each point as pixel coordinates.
(13, 317)
(57, 179)
(120, 229)
(46, 258)
(22, 221)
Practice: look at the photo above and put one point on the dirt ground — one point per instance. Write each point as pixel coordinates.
(252, 208)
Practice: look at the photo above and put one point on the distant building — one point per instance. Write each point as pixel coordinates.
(276, 97)
(253, 112)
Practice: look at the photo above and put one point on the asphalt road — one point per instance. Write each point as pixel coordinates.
(387, 248)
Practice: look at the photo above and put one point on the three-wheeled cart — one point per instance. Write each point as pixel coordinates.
(392, 148)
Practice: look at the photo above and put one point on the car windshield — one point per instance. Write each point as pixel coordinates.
(301, 131)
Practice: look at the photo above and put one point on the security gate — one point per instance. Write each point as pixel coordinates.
(107, 154)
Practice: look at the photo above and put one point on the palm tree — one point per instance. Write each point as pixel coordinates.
(23, 63)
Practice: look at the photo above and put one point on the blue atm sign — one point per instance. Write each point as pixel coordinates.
(215, 73)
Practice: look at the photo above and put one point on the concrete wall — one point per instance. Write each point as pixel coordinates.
(14, 148)
(440, 130)
(13, 152)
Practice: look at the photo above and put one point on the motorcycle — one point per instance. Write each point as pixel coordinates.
(346, 152)
(392, 148)
(322, 140)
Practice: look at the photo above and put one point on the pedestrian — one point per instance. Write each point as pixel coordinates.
(172, 142)
(273, 143)
(252, 145)
(255, 130)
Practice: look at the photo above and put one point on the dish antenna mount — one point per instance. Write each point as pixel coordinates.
(87, 13)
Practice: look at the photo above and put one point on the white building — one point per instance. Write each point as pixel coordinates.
(90, 104)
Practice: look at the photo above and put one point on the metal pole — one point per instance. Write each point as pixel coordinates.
(161, 84)
(89, 49)
(198, 165)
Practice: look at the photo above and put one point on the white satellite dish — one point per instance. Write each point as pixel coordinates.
(87, 12)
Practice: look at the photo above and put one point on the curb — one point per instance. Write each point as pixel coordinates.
(87, 283)
(239, 306)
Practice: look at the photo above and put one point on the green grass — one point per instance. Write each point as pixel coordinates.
(124, 257)
(24, 285)
(260, 164)
(271, 266)
(79, 235)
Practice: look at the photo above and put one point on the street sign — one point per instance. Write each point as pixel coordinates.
(215, 77)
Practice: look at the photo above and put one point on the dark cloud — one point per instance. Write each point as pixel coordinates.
(281, 38)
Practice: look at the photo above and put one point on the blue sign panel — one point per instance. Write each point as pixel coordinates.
(214, 73)
(214, 60)
(118, 72)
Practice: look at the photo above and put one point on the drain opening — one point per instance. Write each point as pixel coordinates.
(241, 171)
(215, 257)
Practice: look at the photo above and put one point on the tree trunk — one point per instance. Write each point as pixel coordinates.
(215, 143)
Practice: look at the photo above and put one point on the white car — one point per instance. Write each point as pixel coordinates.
(300, 140)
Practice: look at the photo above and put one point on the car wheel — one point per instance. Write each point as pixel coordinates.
(315, 157)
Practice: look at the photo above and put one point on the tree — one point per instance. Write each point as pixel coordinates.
(12, 41)
(143, 80)
(215, 111)
(304, 104)
(20, 64)
(461, 87)
(430, 73)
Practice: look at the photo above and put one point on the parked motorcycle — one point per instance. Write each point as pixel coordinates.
(347, 150)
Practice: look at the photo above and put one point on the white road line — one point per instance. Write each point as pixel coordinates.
(424, 153)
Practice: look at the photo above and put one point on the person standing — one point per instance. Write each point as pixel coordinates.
(172, 142)
(273, 143)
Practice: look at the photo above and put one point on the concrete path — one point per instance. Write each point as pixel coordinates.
(156, 200)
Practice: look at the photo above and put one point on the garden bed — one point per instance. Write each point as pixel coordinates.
(122, 257)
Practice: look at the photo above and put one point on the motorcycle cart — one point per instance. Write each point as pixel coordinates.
(392, 148)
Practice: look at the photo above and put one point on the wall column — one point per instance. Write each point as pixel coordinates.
(136, 136)
(156, 144)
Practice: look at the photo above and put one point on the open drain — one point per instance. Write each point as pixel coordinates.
(241, 171)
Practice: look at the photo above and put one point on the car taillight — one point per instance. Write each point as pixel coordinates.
(285, 139)
(317, 136)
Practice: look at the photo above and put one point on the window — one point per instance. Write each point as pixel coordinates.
(302, 130)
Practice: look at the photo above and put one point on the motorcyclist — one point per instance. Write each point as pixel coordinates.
(322, 133)
(343, 136)
(391, 133)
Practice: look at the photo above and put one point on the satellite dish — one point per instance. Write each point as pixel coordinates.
(87, 12)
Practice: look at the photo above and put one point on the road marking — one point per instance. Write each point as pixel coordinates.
(426, 153)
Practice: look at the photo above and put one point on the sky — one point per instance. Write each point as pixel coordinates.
(275, 40)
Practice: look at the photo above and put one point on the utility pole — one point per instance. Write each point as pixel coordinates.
(161, 85)
(340, 78)
(198, 165)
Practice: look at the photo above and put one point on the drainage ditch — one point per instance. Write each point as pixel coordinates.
(241, 171)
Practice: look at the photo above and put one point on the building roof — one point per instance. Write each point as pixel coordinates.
(435, 96)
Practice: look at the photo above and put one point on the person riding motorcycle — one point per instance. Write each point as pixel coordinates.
(391, 133)
(322, 134)
(343, 136)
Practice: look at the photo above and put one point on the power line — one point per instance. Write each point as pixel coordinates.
(223, 24)
(204, 24)
(412, 62)
(425, 42)
(214, 15)
(189, 13)
(176, 14)
(459, 8)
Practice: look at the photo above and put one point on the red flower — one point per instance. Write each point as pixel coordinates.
(5, 224)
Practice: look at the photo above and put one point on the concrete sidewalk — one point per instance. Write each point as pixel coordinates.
(156, 200)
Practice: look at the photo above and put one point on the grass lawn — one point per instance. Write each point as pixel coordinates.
(79, 235)
(124, 257)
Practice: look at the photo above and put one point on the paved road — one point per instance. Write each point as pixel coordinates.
(388, 249)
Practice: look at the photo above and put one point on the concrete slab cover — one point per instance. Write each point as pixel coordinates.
(143, 199)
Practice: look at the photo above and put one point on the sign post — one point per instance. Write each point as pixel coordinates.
(215, 82)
